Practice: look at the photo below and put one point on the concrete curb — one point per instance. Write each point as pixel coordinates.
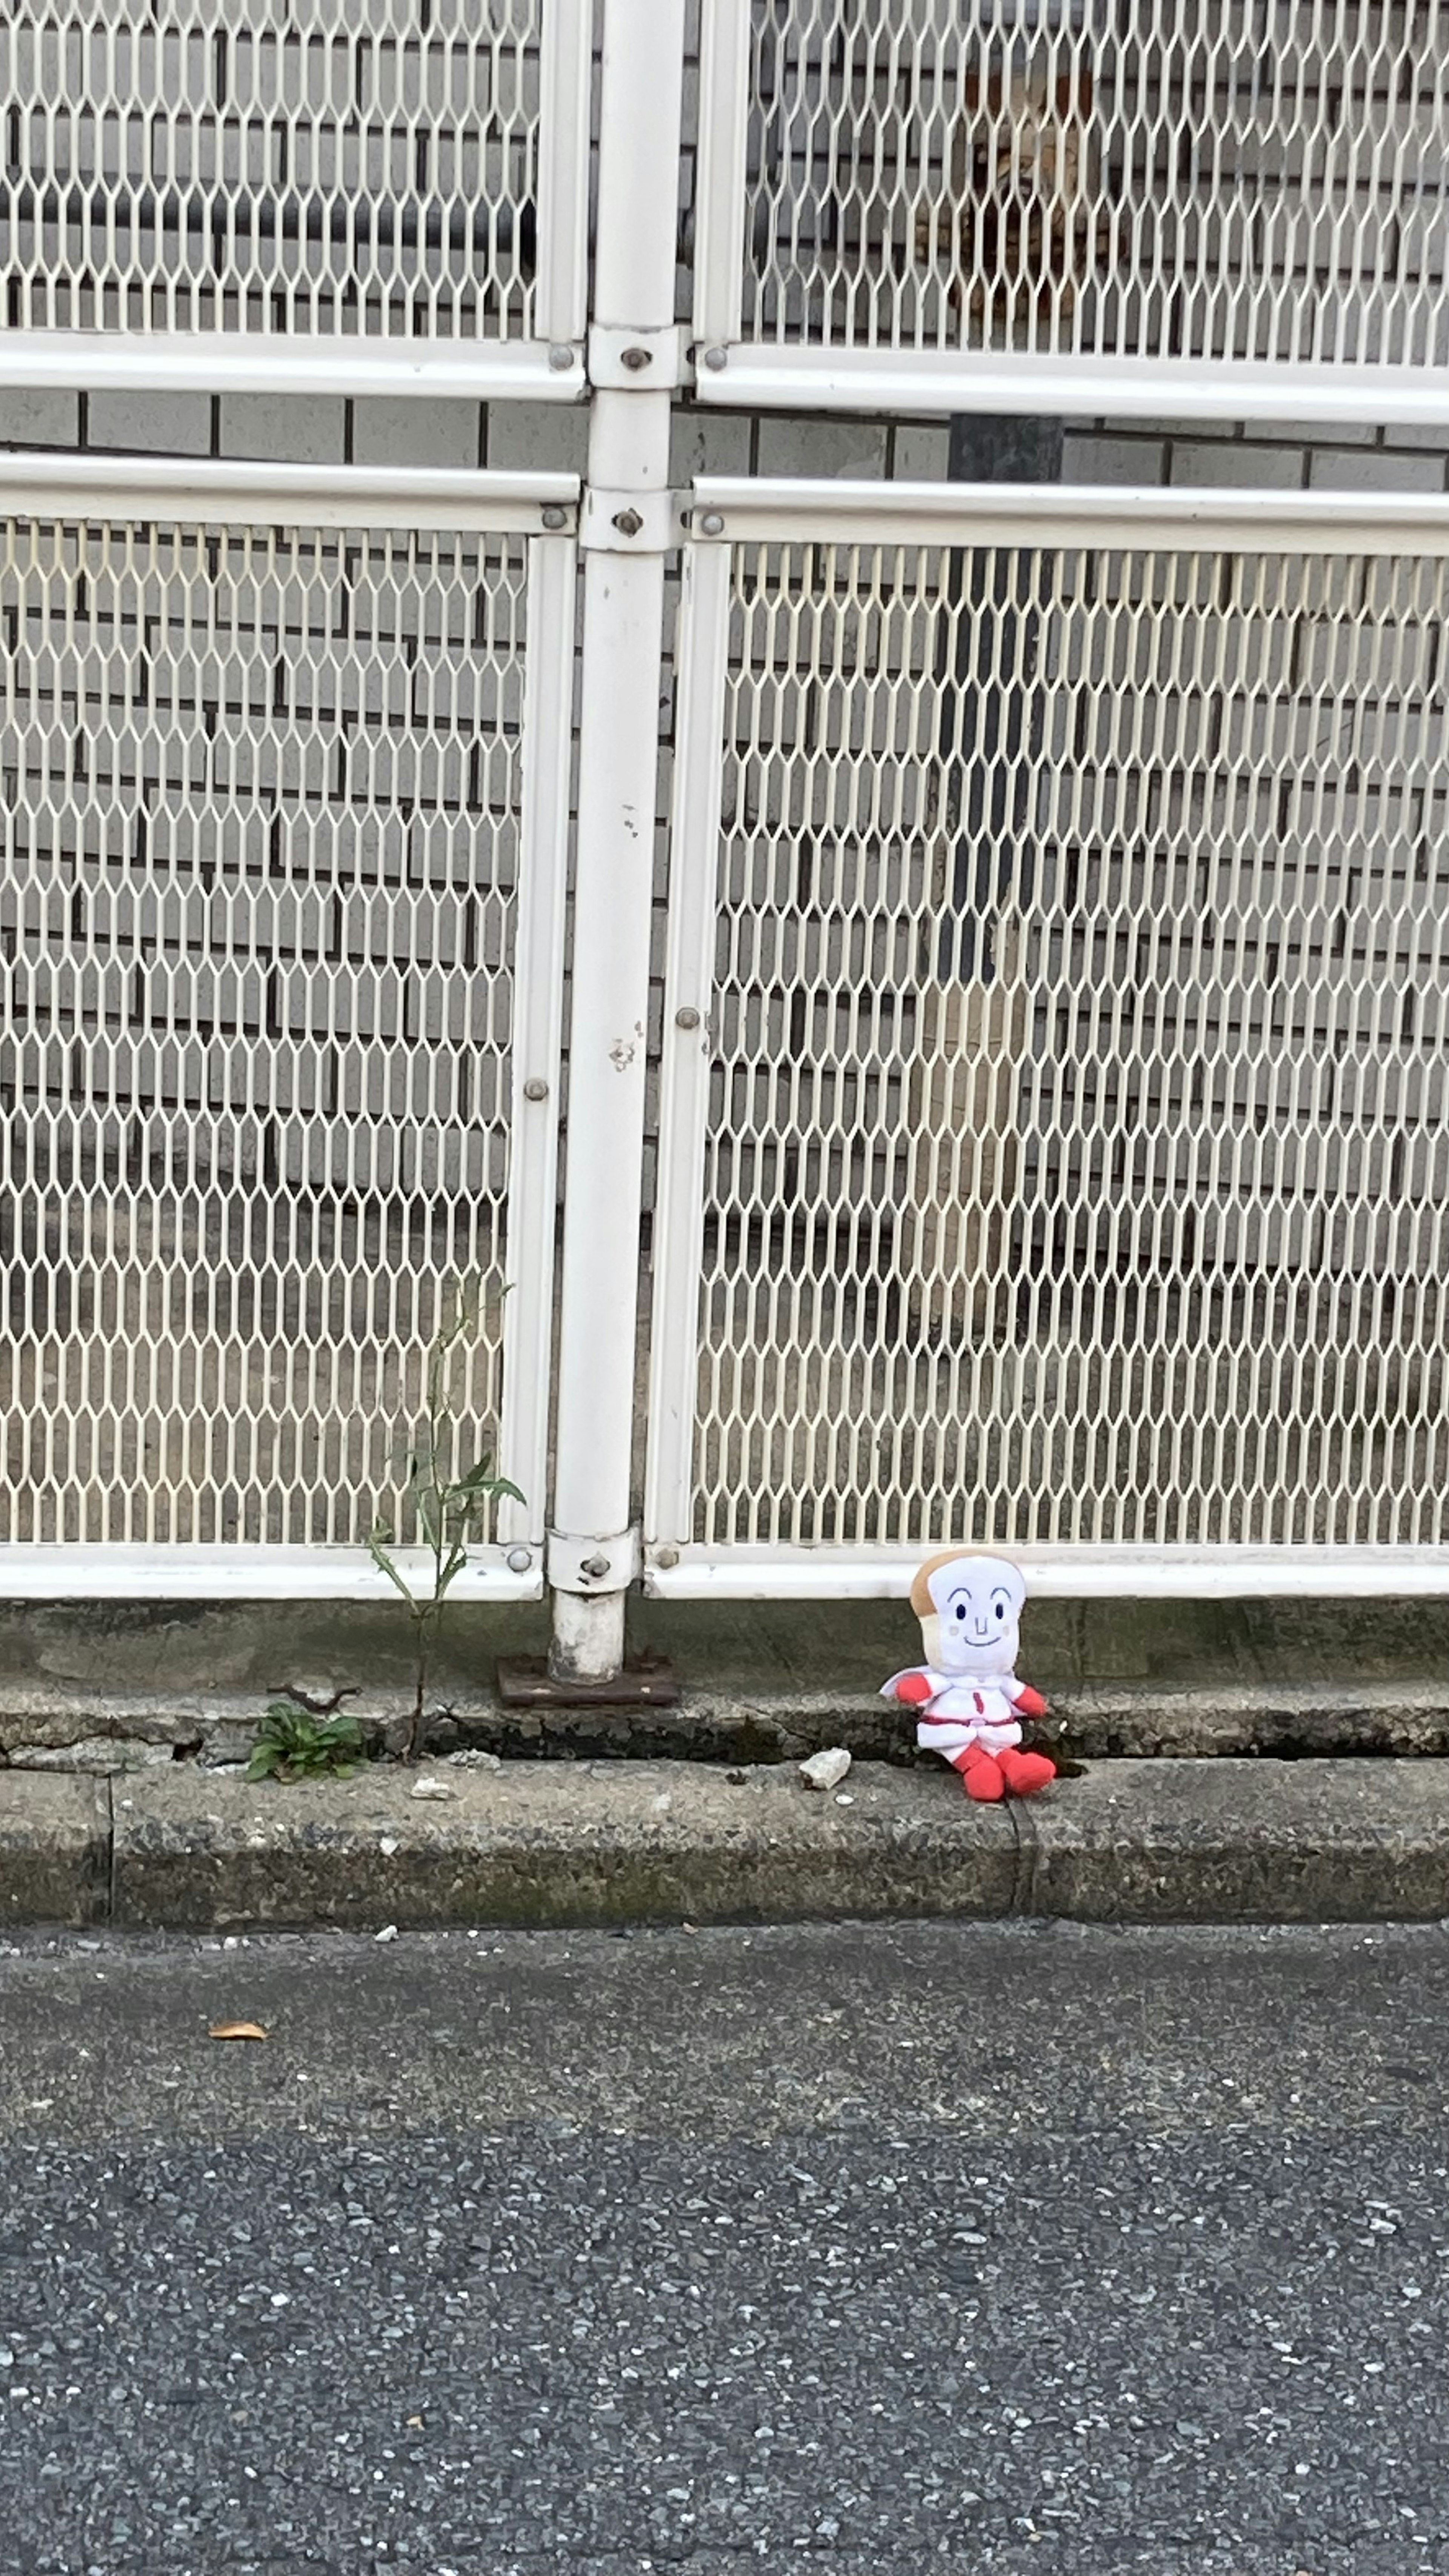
(563, 1844)
(55, 1850)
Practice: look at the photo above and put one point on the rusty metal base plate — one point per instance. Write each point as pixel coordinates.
(524, 1681)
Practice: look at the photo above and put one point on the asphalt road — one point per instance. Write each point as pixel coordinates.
(862, 2251)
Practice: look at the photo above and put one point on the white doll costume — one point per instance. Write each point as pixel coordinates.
(958, 1714)
(968, 1699)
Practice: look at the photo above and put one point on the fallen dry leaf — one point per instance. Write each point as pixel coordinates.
(236, 2030)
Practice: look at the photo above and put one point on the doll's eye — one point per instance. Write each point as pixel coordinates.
(960, 1609)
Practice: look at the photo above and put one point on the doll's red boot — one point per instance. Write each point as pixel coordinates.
(1025, 1773)
(982, 1777)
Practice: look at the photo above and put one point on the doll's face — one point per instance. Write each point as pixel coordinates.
(978, 1603)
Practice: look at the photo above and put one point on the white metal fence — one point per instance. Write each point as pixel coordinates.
(389, 198)
(1088, 205)
(1056, 1129)
(282, 926)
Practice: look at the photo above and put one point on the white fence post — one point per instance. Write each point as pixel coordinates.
(628, 525)
(562, 290)
(538, 976)
(721, 177)
(701, 657)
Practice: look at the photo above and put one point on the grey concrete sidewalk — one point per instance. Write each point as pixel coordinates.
(567, 1844)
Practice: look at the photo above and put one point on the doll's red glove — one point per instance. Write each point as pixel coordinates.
(1029, 1703)
(915, 1689)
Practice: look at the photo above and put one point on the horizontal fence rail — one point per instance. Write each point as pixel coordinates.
(1087, 206)
(391, 198)
(1055, 1135)
(281, 928)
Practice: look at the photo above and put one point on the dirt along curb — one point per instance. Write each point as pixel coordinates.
(72, 1728)
(564, 1844)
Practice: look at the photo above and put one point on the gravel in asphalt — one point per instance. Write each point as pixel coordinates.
(867, 2251)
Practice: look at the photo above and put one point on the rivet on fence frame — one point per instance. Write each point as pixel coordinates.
(628, 522)
(634, 359)
(519, 1559)
(665, 1557)
(688, 1018)
(711, 525)
(716, 358)
(554, 517)
(560, 358)
(535, 1088)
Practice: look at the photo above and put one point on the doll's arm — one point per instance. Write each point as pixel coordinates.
(1027, 1702)
(914, 1688)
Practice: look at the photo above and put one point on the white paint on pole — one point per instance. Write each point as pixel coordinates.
(702, 654)
(538, 973)
(639, 129)
(566, 76)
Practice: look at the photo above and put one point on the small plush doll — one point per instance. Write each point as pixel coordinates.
(968, 1700)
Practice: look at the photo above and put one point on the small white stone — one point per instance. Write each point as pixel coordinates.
(388, 1933)
(826, 1770)
(844, 1799)
(473, 1758)
(431, 1789)
(388, 1845)
(662, 1804)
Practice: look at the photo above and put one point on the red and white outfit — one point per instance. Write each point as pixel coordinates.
(969, 1701)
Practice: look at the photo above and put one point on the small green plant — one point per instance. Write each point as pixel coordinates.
(450, 1507)
(298, 1738)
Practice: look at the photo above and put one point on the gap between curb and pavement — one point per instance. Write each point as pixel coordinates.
(568, 1844)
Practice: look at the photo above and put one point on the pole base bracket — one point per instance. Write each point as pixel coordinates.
(524, 1681)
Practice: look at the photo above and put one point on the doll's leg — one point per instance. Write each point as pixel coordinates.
(981, 1774)
(1025, 1773)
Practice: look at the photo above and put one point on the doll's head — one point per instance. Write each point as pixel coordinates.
(970, 1609)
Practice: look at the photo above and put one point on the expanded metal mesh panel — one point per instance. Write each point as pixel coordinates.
(1251, 179)
(260, 794)
(1077, 1161)
(220, 165)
